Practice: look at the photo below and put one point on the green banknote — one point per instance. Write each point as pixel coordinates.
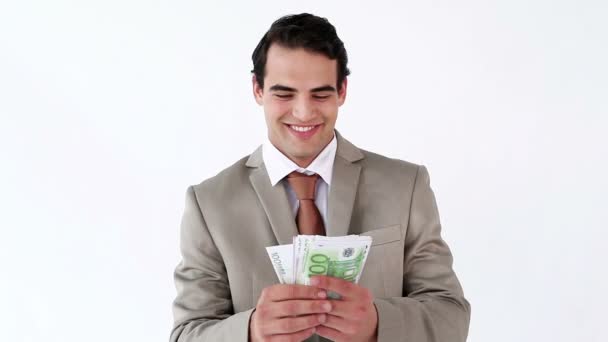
(337, 256)
(340, 257)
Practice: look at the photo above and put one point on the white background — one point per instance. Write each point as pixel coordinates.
(110, 109)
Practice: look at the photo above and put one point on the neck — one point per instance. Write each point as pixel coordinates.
(303, 162)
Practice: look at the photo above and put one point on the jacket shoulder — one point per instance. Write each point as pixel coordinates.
(389, 167)
(232, 177)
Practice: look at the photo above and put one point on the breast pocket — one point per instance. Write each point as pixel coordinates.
(383, 270)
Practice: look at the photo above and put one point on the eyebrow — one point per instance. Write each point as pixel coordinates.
(279, 87)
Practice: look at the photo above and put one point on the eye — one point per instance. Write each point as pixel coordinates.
(283, 96)
(321, 97)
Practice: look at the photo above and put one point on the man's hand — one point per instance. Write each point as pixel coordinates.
(288, 313)
(354, 317)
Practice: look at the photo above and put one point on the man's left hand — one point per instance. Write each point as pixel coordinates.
(353, 317)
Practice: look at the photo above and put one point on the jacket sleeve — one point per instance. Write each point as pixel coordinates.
(433, 307)
(202, 309)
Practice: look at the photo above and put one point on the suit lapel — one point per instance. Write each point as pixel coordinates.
(342, 192)
(343, 189)
(273, 200)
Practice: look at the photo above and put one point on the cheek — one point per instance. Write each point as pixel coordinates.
(329, 110)
(277, 109)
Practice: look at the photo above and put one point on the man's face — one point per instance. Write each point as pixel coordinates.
(300, 101)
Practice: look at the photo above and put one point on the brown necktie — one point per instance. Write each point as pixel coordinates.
(308, 219)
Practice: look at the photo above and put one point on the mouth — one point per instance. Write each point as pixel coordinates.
(303, 131)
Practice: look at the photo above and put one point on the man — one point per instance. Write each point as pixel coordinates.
(226, 286)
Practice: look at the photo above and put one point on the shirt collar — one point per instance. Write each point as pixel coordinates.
(278, 165)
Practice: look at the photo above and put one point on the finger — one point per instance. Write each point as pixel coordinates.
(354, 310)
(345, 326)
(295, 337)
(331, 334)
(299, 307)
(279, 292)
(290, 325)
(345, 288)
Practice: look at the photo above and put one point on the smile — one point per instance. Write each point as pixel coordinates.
(301, 128)
(303, 132)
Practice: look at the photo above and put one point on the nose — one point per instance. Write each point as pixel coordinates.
(304, 110)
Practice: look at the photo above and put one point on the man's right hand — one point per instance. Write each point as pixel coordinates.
(288, 313)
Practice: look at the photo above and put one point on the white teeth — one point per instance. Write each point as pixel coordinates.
(301, 128)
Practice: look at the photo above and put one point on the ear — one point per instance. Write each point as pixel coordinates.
(342, 92)
(258, 92)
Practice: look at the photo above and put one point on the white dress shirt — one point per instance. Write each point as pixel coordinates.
(279, 166)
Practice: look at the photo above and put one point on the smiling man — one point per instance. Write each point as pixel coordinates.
(308, 179)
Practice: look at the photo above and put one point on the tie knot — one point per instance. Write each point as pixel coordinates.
(303, 185)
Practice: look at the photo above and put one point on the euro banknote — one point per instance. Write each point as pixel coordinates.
(341, 257)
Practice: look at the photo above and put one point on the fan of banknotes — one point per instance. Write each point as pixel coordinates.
(309, 255)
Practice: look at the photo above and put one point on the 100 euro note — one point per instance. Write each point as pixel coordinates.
(342, 257)
(339, 257)
(282, 261)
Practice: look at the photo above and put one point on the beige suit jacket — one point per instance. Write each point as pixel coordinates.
(230, 219)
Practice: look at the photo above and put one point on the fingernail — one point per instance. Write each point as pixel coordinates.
(327, 307)
(314, 281)
(322, 318)
(322, 294)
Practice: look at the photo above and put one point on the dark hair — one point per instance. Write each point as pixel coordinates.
(306, 31)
